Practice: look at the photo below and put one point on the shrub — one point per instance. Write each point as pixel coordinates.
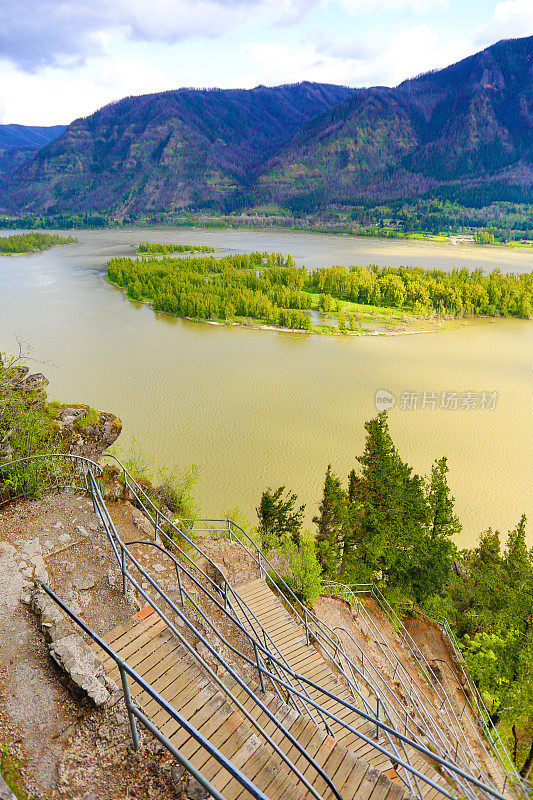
(300, 569)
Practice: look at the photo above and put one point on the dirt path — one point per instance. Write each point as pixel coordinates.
(70, 750)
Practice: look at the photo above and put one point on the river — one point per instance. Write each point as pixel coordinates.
(257, 408)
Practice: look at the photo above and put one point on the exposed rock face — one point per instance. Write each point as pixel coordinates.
(81, 430)
(89, 440)
(84, 670)
(5, 791)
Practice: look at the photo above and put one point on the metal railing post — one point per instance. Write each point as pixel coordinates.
(179, 585)
(259, 670)
(306, 628)
(128, 702)
(123, 569)
(156, 525)
(377, 717)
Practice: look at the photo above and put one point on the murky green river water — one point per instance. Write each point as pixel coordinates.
(257, 408)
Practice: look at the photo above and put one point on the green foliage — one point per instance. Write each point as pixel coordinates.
(490, 606)
(31, 242)
(174, 491)
(299, 567)
(238, 517)
(458, 292)
(269, 288)
(332, 524)
(25, 426)
(390, 527)
(170, 490)
(279, 520)
(152, 247)
(91, 418)
(261, 286)
(11, 772)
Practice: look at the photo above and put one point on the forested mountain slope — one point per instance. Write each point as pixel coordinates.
(18, 143)
(306, 145)
(470, 123)
(167, 150)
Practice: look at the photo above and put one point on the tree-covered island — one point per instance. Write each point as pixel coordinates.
(269, 289)
(163, 249)
(22, 243)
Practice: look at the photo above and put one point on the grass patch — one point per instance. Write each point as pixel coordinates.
(11, 771)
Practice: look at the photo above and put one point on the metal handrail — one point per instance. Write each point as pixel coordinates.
(181, 532)
(480, 709)
(304, 614)
(121, 559)
(156, 515)
(394, 757)
(378, 723)
(416, 693)
(50, 475)
(133, 711)
(375, 592)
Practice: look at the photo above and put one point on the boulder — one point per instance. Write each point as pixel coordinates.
(84, 669)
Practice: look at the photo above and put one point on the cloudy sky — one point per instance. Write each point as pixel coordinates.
(62, 59)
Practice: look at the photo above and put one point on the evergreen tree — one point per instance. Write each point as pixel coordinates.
(331, 523)
(442, 521)
(278, 518)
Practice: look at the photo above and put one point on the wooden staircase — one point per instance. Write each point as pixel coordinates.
(304, 659)
(154, 653)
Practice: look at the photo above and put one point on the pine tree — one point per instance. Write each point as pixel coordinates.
(331, 523)
(278, 518)
(442, 521)
(388, 512)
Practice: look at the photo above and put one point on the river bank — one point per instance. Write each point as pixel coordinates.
(263, 409)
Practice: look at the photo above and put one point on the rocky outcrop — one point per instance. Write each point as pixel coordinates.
(85, 432)
(79, 429)
(83, 669)
(5, 791)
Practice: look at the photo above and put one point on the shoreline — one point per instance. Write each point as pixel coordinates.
(330, 330)
(417, 237)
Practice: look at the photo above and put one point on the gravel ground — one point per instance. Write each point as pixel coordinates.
(69, 750)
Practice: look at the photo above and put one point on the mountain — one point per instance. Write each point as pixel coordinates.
(165, 151)
(18, 143)
(469, 126)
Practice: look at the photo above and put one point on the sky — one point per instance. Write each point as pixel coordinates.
(64, 59)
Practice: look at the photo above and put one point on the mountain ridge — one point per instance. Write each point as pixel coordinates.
(19, 143)
(469, 125)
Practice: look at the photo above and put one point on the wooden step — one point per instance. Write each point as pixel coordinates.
(289, 638)
(148, 646)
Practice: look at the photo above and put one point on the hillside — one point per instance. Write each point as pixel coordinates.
(18, 143)
(468, 126)
(166, 150)
(471, 123)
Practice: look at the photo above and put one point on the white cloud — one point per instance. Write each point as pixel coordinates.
(511, 18)
(37, 33)
(374, 60)
(415, 6)
(59, 97)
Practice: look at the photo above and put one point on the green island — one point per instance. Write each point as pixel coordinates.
(268, 289)
(22, 243)
(154, 247)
